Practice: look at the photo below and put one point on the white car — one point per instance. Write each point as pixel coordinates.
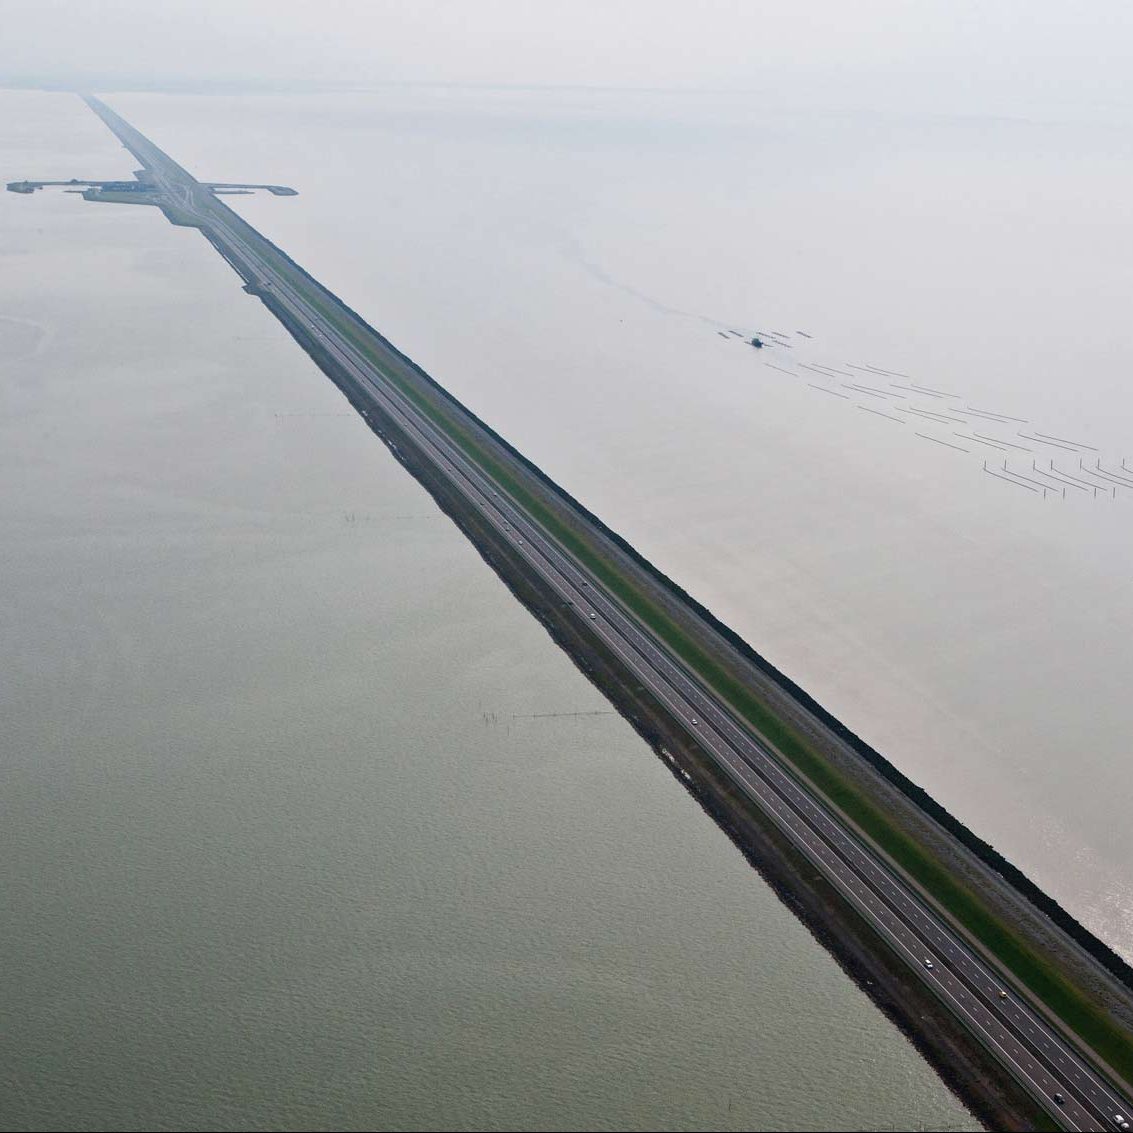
(929, 964)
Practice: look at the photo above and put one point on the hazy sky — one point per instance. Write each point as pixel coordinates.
(1047, 57)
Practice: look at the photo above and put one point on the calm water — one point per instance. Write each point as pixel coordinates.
(288, 838)
(564, 261)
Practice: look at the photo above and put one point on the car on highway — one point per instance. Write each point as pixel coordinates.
(1120, 1121)
(929, 964)
(694, 722)
(1059, 1099)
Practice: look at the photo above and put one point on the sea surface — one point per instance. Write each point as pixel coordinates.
(916, 499)
(306, 824)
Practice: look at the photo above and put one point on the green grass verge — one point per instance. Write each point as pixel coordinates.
(1080, 1013)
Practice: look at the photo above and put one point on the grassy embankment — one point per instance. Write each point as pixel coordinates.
(1073, 1006)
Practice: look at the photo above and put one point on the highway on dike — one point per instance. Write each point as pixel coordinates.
(1049, 1065)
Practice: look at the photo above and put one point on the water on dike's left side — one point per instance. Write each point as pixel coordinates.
(287, 839)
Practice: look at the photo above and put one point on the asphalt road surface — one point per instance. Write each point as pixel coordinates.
(1049, 1065)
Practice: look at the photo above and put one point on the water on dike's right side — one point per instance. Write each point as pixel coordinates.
(291, 835)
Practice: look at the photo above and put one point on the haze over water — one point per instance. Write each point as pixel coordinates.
(288, 837)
